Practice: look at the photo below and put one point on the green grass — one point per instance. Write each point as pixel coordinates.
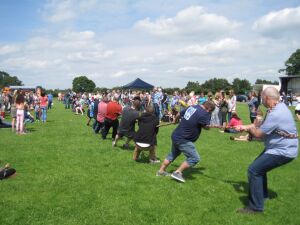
(67, 175)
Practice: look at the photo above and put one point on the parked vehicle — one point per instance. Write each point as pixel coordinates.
(241, 98)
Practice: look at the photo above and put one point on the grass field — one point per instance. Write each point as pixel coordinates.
(67, 175)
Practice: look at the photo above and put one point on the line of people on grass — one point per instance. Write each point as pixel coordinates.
(105, 109)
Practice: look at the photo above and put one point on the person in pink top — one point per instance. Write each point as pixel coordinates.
(44, 105)
(234, 122)
(102, 106)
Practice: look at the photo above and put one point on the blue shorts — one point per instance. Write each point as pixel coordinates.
(188, 149)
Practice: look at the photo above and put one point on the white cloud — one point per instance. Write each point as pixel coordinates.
(130, 72)
(279, 23)
(190, 21)
(60, 56)
(227, 44)
(110, 42)
(29, 63)
(119, 74)
(89, 56)
(189, 69)
(7, 49)
(79, 36)
(59, 10)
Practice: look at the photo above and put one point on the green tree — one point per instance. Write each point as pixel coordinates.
(216, 84)
(193, 86)
(7, 80)
(292, 65)
(241, 86)
(83, 84)
(260, 81)
(170, 91)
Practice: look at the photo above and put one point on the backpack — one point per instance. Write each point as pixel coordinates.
(6, 172)
(224, 107)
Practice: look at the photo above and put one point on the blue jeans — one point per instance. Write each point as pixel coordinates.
(188, 149)
(229, 115)
(156, 110)
(44, 113)
(257, 177)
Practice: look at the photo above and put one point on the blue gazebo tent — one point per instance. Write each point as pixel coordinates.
(138, 84)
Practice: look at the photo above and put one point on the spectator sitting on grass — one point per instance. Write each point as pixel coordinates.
(234, 121)
(28, 118)
(257, 123)
(4, 124)
(145, 138)
(78, 107)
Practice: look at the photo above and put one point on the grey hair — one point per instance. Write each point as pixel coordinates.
(271, 92)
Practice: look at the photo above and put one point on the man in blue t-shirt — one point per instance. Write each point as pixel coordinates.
(280, 137)
(193, 119)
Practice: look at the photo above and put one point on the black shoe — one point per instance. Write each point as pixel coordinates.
(248, 210)
(232, 138)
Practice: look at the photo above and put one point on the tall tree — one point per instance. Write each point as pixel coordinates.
(83, 84)
(216, 84)
(8, 80)
(292, 65)
(193, 86)
(241, 86)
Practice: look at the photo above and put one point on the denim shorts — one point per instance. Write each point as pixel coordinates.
(188, 149)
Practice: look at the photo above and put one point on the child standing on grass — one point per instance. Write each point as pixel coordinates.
(20, 114)
(13, 110)
(37, 109)
(44, 105)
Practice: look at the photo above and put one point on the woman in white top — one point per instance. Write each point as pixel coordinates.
(297, 109)
(231, 104)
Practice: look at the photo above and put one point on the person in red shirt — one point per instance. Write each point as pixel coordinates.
(113, 110)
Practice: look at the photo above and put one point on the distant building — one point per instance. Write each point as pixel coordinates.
(290, 84)
(258, 88)
(25, 88)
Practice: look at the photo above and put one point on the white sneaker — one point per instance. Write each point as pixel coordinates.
(153, 161)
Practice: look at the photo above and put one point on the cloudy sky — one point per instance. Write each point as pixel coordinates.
(165, 42)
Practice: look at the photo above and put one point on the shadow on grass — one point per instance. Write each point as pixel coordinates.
(30, 129)
(144, 158)
(243, 187)
(189, 173)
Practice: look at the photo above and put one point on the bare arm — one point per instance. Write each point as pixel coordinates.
(256, 132)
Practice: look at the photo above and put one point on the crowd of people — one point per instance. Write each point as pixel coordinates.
(20, 104)
(120, 111)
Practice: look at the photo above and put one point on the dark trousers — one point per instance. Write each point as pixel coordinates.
(257, 177)
(49, 104)
(97, 126)
(108, 123)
